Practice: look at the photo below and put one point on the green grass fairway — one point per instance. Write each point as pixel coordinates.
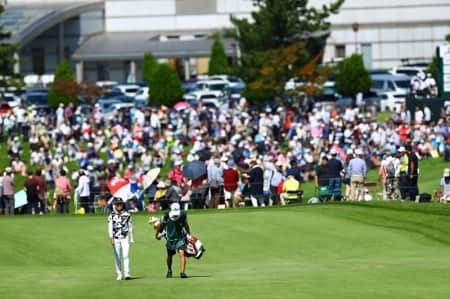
(375, 250)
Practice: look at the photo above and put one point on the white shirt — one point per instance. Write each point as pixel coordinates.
(446, 187)
(83, 189)
(418, 116)
(427, 113)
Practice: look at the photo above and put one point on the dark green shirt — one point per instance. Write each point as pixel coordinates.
(175, 228)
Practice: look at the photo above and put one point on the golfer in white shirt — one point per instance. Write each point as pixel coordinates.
(120, 231)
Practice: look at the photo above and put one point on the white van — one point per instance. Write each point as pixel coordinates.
(129, 90)
(214, 85)
(392, 89)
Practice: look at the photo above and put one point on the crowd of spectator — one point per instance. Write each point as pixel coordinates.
(254, 155)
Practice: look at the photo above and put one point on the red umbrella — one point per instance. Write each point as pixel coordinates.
(120, 187)
(181, 105)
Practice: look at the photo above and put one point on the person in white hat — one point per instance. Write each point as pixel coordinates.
(175, 224)
(120, 232)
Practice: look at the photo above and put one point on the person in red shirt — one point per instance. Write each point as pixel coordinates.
(403, 132)
(230, 183)
(176, 174)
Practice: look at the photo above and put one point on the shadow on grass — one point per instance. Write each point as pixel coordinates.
(135, 278)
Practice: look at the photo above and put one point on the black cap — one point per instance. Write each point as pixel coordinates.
(118, 200)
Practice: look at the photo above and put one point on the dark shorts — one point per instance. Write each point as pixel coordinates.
(174, 246)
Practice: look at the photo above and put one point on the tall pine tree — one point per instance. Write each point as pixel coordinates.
(166, 86)
(149, 66)
(64, 89)
(218, 63)
(277, 27)
(352, 77)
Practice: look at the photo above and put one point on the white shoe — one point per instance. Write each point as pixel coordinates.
(119, 277)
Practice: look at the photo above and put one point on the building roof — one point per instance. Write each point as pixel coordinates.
(129, 46)
(27, 21)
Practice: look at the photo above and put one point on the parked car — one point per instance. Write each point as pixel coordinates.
(107, 105)
(213, 85)
(202, 94)
(115, 107)
(12, 100)
(409, 70)
(391, 89)
(189, 86)
(37, 90)
(293, 83)
(39, 100)
(129, 90)
(234, 83)
(111, 94)
(372, 99)
(390, 100)
(142, 96)
(212, 103)
(106, 85)
(379, 72)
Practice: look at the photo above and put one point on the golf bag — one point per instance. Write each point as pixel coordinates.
(425, 197)
(194, 247)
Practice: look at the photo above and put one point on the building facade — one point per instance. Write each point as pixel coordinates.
(106, 39)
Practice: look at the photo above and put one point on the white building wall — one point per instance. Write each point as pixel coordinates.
(234, 6)
(397, 30)
(118, 10)
(393, 30)
(27, 2)
(161, 15)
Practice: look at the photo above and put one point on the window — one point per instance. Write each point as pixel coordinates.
(339, 51)
(173, 37)
(195, 7)
(390, 85)
(38, 60)
(377, 84)
(402, 84)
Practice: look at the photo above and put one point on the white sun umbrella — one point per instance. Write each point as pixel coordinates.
(150, 177)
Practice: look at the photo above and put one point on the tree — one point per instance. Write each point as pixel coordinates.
(218, 62)
(7, 60)
(352, 77)
(64, 89)
(280, 26)
(149, 67)
(166, 86)
(90, 91)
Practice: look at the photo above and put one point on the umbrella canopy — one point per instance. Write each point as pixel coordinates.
(181, 105)
(150, 177)
(204, 155)
(195, 169)
(120, 187)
